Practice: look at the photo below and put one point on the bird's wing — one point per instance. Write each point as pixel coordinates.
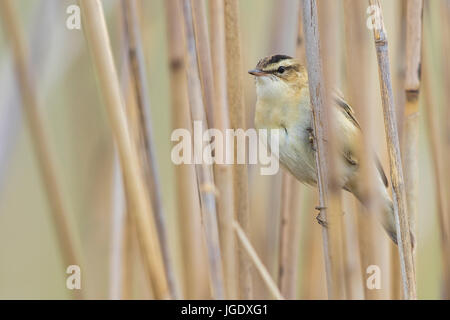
(346, 109)
(350, 114)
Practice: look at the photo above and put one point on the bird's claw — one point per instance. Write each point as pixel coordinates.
(320, 218)
(311, 138)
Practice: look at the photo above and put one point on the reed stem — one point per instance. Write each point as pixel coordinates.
(259, 266)
(193, 254)
(328, 192)
(396, 171)
(205, 177)
(435, 140)
(237, 121)
(223, 173)
(414, 12)
(98, 40)
(133, 40)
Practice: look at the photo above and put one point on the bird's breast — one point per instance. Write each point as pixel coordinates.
(293, 122)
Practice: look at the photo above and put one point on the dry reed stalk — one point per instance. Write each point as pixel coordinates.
(445, 30)
(122, 230)
(117, 234)
(357, 60)
(223, 173)
(399, 72)
(98, 39)
(313, 281)
(396, 171)
(435, 140)
(329, 45)
(237, 121)
(145, 146)
(400, 102)
(289, 222)
(31, 107)
(205, 178)
(329, 191)
(310, 237)
(200, 23)
(289, 237)
(414, 11)
(259, 266)
(195, 283)
(128, 248)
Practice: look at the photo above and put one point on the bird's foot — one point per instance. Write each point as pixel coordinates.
(311, 138)
(320, 219)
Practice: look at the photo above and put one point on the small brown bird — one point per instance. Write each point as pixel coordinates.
(283, 102)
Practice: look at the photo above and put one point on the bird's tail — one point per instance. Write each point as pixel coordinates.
(385, 215)
(387, 220)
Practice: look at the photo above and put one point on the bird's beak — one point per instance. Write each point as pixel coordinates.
(257, 72)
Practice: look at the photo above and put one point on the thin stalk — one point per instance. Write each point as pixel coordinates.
(205, 177)
(31, 107)
(328, 25)
(400, 102)
(314, 284)
(223, 173)
(328, 191)
(237, 121)
(414, 11)
(445, 36)
(98, 39)
(133, 40)
(259, 266)
(117, 234)
(193, 255)
(289, 237)
(396, 171)
(435, 142)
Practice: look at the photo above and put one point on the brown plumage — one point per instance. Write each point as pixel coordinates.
(283, 102)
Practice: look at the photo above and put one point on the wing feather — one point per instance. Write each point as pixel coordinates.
(350, 114)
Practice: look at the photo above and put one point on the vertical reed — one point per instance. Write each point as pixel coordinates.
(330, 54)
(400, 209)
(146, 149)
(223, 173)
(205, 178)
(435, 141)
(237, 121)
(445, 20)
(117, 235)
(414, 12)
(328, 193)
(193, 255)
(98, 39)
(31, 107)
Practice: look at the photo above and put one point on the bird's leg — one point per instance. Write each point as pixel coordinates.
(311, 138)
(320, 218)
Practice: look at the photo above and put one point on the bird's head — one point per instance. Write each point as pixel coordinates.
(277, 76)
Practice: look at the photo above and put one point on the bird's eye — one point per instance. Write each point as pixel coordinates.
(281, 70)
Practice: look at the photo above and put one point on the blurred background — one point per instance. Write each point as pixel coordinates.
(81, 141)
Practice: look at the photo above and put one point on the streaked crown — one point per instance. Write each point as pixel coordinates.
(277, 63)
